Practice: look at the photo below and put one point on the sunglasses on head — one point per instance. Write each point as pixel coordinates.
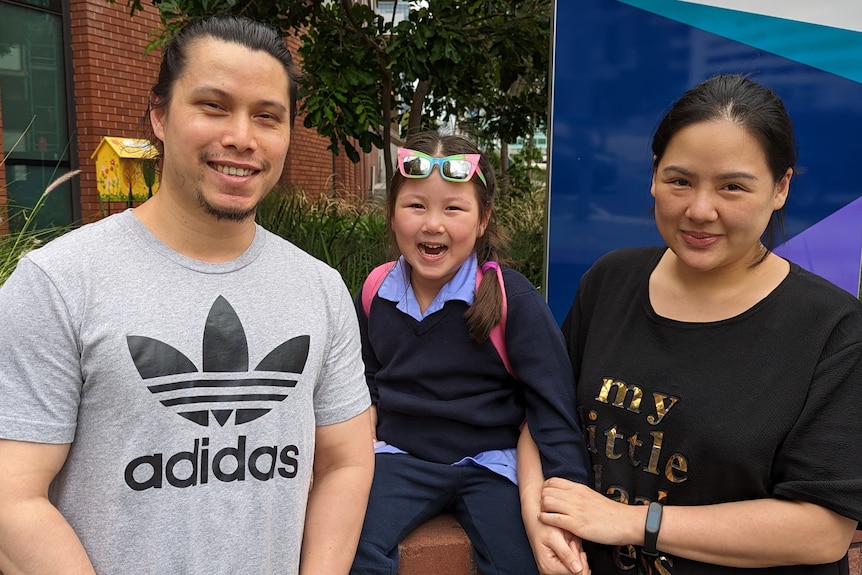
(457, 168)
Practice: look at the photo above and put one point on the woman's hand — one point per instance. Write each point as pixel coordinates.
(748, 534)
(590, 515)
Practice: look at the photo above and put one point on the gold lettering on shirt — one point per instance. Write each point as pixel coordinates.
(655, 452)
(634, 443)
(625, 557)
(676, 469)
(591, 432)
(622, 391)
(612, 436)
(617, 493)
(661, 408)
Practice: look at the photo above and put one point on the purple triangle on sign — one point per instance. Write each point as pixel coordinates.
(831, 248)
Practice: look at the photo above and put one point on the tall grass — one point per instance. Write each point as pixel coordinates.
(349, 235)
(14, 245)
(522, 215)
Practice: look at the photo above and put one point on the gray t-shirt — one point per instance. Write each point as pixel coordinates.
(189, 391)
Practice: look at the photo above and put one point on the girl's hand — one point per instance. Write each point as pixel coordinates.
(372, 412)
(557, 552)
(590, 515)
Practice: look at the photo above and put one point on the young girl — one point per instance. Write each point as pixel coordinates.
(448, 413)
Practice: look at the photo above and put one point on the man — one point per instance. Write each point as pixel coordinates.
(170, 374)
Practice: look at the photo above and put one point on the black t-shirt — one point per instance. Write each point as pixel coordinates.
(764, 404)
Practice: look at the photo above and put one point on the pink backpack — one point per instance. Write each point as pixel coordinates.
(498, 333)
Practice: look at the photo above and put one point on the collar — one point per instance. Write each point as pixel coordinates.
(396, 288)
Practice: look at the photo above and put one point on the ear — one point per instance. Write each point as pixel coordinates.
(654, 170)
(483, 222)
(157, 120)
(782, 189)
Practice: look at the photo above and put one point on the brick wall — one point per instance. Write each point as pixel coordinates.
(856, 554)
(441, 543)
(112, 76)
(313, 168)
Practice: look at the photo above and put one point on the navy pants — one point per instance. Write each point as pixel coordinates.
(407, 491)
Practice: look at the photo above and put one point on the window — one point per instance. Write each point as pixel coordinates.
(33, 107)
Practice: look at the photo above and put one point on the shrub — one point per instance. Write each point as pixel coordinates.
(348, 235)
(14, 245)
(351, 234)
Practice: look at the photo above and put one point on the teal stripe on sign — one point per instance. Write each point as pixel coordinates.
(833, 50)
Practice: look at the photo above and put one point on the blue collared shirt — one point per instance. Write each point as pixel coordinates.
(396, 288)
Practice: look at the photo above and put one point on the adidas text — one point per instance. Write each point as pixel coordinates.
(202, 464)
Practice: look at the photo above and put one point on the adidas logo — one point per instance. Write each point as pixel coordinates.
(199, 466)
(225, 386)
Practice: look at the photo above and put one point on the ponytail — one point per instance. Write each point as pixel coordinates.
(487, 309)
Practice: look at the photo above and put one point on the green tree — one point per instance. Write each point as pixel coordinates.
(482, 60)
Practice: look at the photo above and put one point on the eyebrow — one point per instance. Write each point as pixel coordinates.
(724, 176)
(213, 91)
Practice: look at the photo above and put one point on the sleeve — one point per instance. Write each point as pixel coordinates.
(819, 461)
(537, 352)
(369, 359)
(341, 392)
(40, 362)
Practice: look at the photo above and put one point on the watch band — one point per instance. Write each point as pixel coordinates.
(651, 528)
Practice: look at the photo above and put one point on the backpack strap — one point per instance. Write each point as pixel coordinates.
(498, 333)
(372, 284)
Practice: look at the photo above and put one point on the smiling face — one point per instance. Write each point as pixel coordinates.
(436, 223)
(714, 195)
(225, 130)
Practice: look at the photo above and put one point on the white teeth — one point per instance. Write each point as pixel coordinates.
(231, 171)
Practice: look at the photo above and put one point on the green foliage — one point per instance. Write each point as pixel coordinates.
(486, 60)
(13, 246)
(523, 173)
(522, 215)
(349, 236)
(28, 236)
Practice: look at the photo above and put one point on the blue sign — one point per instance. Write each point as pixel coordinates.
(619, 65)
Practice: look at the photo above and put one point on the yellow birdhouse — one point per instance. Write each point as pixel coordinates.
(123, 173)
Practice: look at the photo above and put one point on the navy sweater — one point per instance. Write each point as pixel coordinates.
(441, 396)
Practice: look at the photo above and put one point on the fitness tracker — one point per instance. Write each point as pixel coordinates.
(653, 523)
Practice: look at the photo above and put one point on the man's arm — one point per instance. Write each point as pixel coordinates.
(34, 536)
(343, 469)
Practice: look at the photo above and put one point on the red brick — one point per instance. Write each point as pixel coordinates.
(855, 556)
(436, 547)
(112, 78)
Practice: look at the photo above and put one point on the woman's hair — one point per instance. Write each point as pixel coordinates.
(246, 32)
(487, 308)
(753, 107)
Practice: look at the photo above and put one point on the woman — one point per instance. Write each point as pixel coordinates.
(718, 383)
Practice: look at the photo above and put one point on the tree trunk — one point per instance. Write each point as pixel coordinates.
(504, 169)
(386, 108)
(415, 121)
